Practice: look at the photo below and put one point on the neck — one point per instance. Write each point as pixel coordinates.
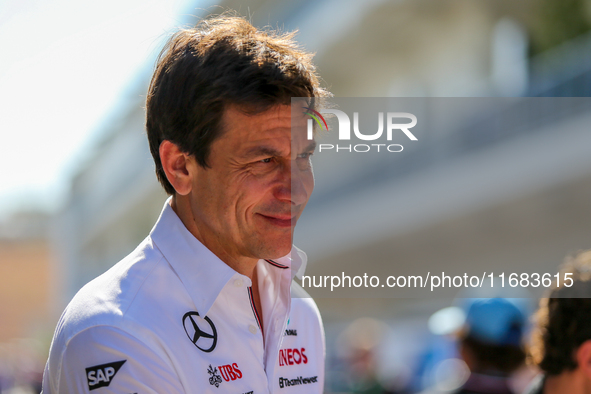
(567, 382)
(243, 265)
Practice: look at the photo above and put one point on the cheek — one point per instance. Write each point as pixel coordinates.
(308, 181)
(214, 195)
(246, 196)
(253, 192)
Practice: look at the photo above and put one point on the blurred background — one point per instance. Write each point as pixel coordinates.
(78, 190)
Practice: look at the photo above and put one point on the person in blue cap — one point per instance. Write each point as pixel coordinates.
(561, 339)
(490, 344)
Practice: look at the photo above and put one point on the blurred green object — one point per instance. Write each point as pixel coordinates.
(558, 21)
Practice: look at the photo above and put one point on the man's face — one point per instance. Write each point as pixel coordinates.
(259, 181)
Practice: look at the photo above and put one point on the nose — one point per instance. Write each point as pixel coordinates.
(294, 185)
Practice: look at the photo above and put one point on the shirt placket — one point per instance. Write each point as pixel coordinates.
(249, 332)
(277, 319)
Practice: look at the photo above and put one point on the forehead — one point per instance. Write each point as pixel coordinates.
(279, 124)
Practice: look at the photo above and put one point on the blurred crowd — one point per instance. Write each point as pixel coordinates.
(481, 345)
(21, 367)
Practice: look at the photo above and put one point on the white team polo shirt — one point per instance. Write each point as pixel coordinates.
(173, 318)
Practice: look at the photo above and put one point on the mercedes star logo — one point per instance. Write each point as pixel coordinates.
(200, 338)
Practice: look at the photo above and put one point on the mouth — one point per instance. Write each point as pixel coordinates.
(284, 221)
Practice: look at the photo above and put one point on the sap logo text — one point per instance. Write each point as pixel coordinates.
(345, 125)
(102, 375)
(292, 356)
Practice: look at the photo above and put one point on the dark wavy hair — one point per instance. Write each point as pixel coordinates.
(563, 320)
(222, 61)
(488, 356)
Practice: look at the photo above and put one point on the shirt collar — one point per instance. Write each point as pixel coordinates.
(297, 260)
(202, 273)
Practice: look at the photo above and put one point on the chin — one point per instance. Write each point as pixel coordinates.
(279, 252)
(275, 250)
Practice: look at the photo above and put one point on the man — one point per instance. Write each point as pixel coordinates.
(489, 333)
(561, 342)
(203, 305)
(490, 344)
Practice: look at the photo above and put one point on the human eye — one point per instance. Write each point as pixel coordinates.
(266, 160)
(304, 161)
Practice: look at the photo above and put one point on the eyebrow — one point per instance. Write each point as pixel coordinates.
(262, 151)
(258, 151)
(311, 147)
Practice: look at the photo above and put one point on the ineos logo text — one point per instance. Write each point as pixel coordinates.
(205, 338)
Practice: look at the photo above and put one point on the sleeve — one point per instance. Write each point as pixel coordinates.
(111, 360)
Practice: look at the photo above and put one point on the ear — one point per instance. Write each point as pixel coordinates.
(583, 355)
(177, 166)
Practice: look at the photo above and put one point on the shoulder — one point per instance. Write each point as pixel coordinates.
(109, 299)
(305, 314)
(302, 301)
(102, 356)
(117, 316)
